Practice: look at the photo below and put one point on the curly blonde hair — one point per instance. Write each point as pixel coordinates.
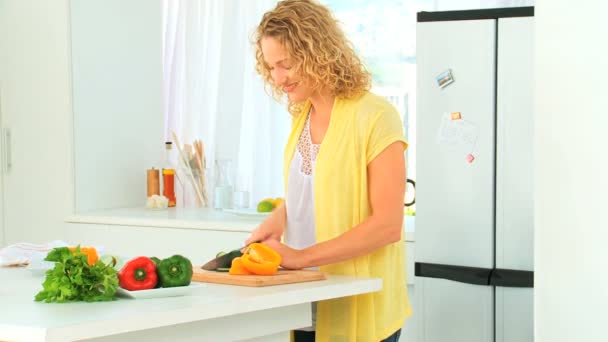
(321, 53)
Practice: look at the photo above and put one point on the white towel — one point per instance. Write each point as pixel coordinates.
(23, 253)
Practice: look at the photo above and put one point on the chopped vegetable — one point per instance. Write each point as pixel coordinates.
(74, 279)
(258, 259)
(138, 274)
(175, 271)
(238, 268)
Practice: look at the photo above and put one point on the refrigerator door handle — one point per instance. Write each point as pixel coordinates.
(476, 275)
(512, 278)
(463, 274)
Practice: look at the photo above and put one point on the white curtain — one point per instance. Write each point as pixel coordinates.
(192, 29)
(264, 123)
(211, 91)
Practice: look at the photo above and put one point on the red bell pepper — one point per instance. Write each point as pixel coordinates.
(138, 274)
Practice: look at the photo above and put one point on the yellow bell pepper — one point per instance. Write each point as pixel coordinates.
(258, 259)
(237, 267)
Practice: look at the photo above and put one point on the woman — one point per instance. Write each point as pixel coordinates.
(344, 172)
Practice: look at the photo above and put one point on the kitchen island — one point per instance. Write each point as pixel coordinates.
(196, 233)
(211, 312)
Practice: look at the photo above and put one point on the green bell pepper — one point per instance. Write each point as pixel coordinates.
(156, 260)
(157, 263)
(175, 271)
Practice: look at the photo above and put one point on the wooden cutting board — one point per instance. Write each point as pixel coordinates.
(279, 278)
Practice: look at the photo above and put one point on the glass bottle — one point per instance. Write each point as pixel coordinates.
(168, 168)
(223, 185)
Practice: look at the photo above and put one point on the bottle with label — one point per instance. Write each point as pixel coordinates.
(168, 171)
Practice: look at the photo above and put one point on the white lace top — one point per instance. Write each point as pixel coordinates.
(299, 202)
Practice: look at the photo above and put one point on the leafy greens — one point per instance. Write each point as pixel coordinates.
(73, 279)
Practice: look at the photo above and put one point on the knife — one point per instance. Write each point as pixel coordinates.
(225, 260)
(222, 261)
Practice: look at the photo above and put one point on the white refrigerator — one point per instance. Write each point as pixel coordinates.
(474, 189)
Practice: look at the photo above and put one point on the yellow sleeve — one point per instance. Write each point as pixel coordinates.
(386, 128)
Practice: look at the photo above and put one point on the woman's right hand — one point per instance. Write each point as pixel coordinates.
(272, 228)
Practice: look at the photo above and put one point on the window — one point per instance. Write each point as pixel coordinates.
(372, 26)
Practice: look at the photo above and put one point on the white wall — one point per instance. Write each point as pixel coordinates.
(571, 291)
(36, 107)
(118, 121)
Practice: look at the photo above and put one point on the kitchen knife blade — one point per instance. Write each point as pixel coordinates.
(223, 261)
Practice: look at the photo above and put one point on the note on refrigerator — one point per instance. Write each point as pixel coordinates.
(458, 135)
(449, 132)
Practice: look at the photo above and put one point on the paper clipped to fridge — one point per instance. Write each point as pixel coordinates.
(459, 135)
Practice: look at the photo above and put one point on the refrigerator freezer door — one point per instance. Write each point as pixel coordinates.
(455, 214)
(453, 311)
(514, 176)
(514, 314)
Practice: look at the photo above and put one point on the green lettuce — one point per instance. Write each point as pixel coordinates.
(73, 279)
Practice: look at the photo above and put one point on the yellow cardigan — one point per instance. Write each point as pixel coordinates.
(358, 131)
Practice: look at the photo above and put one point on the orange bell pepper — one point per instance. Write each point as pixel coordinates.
(90, 252)
(237, 267)
(261, 259)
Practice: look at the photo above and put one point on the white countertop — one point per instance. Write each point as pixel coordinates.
(23, 319)
(187, 218)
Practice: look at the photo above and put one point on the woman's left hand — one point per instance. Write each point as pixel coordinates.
(292, 259)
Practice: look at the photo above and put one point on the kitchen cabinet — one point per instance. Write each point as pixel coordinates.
(35, 120)
(80, 111)
(116, 59)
